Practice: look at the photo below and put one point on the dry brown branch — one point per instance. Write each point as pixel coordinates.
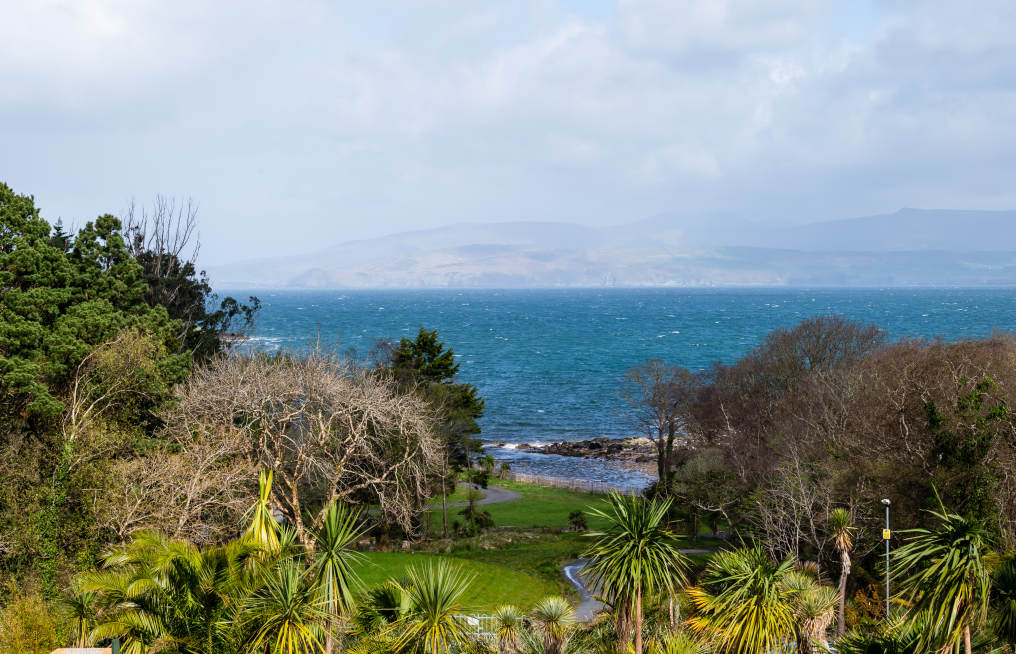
(329, 431)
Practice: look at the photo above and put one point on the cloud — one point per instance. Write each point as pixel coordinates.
(297, 124)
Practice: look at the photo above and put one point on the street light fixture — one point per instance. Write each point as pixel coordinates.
(886, 535)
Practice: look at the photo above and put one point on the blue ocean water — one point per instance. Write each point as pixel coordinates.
(550, 363)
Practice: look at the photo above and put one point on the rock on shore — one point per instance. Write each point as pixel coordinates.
(627, 450)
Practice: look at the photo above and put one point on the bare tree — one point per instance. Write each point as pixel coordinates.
(662, 395)
(329, 431)
(168, 227)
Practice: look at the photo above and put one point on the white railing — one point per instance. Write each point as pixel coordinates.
(484, 626)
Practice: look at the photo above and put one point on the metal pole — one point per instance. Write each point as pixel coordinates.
(886, 535)
(116, 646)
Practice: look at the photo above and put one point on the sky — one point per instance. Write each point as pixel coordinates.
(295, 124)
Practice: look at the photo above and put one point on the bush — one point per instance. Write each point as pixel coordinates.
(577, 521)
(27, 624)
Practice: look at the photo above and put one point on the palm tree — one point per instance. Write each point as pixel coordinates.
(263, 529)
(843, 541)
(636, 555)
(158, 591)
(284, 615)
(554, 619)
(508, 625)
(944, 575)
(814, 607)
(897, 636)
(1003, 600)
(434, 594)
(675, 643)
(743, 604)
(81, 605)
(332, 570)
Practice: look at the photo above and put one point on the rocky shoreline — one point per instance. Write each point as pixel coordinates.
(633, 453)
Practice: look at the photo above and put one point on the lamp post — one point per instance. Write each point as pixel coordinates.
(886, 534)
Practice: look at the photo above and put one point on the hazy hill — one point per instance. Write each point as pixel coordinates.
(908, 248)
(905, 230)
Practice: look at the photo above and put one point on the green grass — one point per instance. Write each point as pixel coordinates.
(541, 556)
(461, 494)
(492, 584)
(539, 507)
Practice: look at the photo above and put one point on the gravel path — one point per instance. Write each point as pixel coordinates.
(492, 495)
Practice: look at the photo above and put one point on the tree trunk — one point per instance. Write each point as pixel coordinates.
(328, 637)
(638, 620)
(672, 614)
(444, 498)
(623, 624)
(966, 640)
(844, 573)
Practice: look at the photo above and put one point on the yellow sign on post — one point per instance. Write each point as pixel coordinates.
(886, 534)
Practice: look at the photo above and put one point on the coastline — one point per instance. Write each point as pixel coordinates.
(637, 455)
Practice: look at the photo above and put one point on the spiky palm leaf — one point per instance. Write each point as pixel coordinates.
(554, 619)
(943, 575)
(679, 643)
(508, 626)
(742, 605)
(637, 555)
(284, 614)
(1003, 600)
(435, 593)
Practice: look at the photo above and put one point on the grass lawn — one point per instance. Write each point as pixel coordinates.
(539, 507)
(542, 556)
(461, 494)
(492, 585)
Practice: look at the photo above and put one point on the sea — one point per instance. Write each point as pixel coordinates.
(551, 363)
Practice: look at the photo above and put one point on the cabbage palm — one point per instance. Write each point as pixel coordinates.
(843, 541)
(159, 591)
(676, 643)
(435, 592)
(508, 625)
(554, 619)
(814, 610)
(284, 615)
(333, 574)
(263, 530)
(743, 605)
(636, 555)
(944, 575)
(1003, 600)
(81, 605)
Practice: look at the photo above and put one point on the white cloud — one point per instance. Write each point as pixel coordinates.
(310, 122)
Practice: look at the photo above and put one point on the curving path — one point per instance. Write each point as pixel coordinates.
(492, 495)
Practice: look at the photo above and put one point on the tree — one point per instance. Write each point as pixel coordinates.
(843, 541)
(283, 616)
(157, 592)
(164, 240)
(814, 609)
(427, 367)
(554, 620)
(329, 431)
(743, 604)
(508, 627)
(635, 556)
(435, 592)
(332, 570)
(1003, 600)
(662, 395)
(944, 575)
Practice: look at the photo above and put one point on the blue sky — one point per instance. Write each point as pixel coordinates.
(298, 124)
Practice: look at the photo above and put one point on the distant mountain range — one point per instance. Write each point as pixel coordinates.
(911, 247)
